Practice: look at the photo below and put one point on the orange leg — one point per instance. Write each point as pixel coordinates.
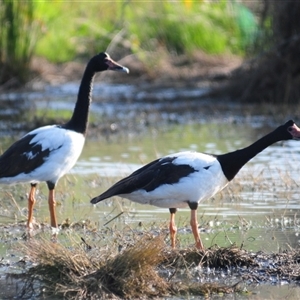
(52, 204)
(172, 227)
(31, 202)
(194, 225)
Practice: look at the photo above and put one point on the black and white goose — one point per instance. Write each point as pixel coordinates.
(49, 152)
(187, 178)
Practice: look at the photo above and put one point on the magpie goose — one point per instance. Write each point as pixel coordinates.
(185, 179)
(49, 152)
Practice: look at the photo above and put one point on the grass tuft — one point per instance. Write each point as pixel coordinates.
(78, 272)
(213, 257)
(132, 272)
(146, 268)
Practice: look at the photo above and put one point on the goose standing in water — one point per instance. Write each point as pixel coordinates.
(49, 152)
(185, 179)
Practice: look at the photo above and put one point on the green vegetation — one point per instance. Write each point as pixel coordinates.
(17, 38)
(64, 31)
(76, 29)
(68, 30)
(180, 27)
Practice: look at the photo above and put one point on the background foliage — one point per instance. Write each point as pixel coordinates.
(62, 30)
(17, 38)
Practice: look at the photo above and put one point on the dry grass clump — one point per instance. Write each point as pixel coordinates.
(148, 269)
(144, 267)
(81, 272)
(57, 266)
(214, 257)
(132, 273)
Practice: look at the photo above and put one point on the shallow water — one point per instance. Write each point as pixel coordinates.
(259, 209)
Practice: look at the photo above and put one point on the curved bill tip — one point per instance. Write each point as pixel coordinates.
(295, 131)
(114, 66)
(94, 200)
(126, 70)
(119, 68)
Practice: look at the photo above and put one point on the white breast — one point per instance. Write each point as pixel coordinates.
(65, 151)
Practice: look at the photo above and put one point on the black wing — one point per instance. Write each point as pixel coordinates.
(148, 178)
(22, 157)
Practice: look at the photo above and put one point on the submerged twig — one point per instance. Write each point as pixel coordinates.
(115, 217)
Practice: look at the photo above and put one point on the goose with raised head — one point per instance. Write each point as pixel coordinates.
(187, 178)
(49, 152)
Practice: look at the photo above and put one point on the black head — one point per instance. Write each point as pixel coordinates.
(102, 62)
(289, 131)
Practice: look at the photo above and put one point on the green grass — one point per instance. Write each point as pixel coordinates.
(18, 32)
(211, 27)
(63, 31)
(84, 28)
(76, 29)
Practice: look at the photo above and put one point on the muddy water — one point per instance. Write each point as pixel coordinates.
(259, 209)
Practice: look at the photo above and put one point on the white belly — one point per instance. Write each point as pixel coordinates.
(195, 188)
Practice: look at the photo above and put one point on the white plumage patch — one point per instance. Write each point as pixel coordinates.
(30, 155)
(50, 137)
(65, 151)
(64, 146)
(205, 182)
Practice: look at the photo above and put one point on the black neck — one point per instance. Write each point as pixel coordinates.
(79, 119)
(232, 162)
